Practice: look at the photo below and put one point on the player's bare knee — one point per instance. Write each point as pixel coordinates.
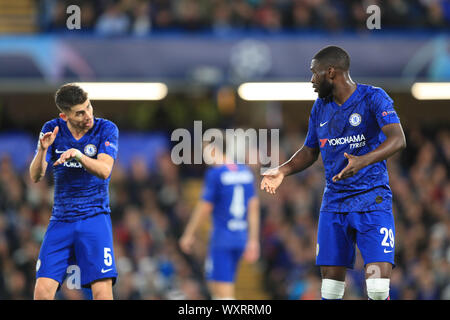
(333, 272)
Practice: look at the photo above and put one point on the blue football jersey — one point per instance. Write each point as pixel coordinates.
(229, 188)
(354, 128)
(79, 194)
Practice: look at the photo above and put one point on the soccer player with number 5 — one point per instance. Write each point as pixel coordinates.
(82, 150)
(355, 128)
(229, 196)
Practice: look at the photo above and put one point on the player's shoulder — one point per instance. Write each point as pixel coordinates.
(106, 124)
(212, 169)
(217, 170)
(212, 173)
(51, 124)
(376, 94)
(244, 167)
(317, 105)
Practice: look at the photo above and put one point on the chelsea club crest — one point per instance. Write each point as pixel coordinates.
(90, 150)
(355, 119)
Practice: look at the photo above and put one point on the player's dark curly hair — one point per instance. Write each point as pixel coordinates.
(69, 95)
(333, 56)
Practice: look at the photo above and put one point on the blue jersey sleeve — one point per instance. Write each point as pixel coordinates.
(382, 107)
(109, 140)
(311, 137)
(210, 186)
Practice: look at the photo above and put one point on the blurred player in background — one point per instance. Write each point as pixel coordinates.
(82, 150)
(355, 128)
(229, 195)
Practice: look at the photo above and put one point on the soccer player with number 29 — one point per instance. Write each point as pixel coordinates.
(355, 128)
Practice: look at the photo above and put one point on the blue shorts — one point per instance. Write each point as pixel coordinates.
(373, 232)
(222, 263)
(86, 243)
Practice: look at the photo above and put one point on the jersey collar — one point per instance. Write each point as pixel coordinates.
(355, 97)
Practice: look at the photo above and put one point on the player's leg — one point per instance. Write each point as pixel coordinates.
(45, 289)
(54, 256)
(220, 268)
(375, 239)
(95, 256)
(335, 253)
(378, 275)
(221, 290)
(102, 289)
(333, 282)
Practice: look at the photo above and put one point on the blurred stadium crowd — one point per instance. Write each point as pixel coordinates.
(141, 17)
(150, 209)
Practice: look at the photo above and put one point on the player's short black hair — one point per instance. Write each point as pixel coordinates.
(69, 95)
(333, 56)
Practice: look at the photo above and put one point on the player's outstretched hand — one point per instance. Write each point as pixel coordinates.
(48, 138)
(68, 155)
(355, 164)
(252, 251)
(186, 243)
(271, 180)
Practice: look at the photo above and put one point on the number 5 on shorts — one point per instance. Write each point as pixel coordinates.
(107, 257)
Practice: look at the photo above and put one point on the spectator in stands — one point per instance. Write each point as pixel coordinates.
(139, 17)
(113, 21)
(142, 22)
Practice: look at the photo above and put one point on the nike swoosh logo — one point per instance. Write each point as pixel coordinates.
(59, 151)
(322, 124)
(104, 271)
(387, 251)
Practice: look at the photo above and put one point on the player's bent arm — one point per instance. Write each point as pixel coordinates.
(39, 165)
(395, 141)
(253, 219)
(252, 248)
(202, 210)
(100, 167)
(301, 160)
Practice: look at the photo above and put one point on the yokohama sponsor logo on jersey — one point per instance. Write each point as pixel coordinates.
(356, 141)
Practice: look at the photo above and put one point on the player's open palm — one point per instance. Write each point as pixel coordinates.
(354, 165)
(48, 138)
(271, 180)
